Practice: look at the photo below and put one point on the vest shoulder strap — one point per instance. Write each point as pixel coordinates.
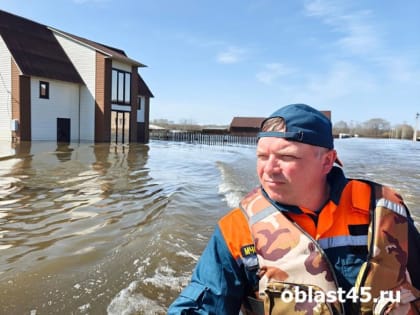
(386, 265)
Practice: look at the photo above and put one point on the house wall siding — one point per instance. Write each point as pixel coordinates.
(5, 91)
(84, 60)
(62, 103)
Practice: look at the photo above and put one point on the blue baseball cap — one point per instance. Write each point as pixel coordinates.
(303, 123)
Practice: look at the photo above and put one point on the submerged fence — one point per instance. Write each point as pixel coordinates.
(201, 138)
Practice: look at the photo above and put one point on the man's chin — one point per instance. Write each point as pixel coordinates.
(276, 195)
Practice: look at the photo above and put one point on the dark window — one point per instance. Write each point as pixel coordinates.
(44, 89)
(121, 87)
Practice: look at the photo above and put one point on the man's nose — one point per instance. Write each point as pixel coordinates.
(271, 164)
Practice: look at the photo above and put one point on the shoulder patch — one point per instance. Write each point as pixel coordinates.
(249, 257)
(248, 250)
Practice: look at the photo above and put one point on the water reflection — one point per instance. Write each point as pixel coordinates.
(64, 151)
(66, 206)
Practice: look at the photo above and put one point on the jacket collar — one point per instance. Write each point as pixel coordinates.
(337, 181)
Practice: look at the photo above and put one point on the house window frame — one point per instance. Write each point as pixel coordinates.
(44, 89)
(121, 87)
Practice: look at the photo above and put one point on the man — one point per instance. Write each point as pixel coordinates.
(308, 240)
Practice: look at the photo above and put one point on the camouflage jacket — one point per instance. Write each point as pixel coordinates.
(227, 271)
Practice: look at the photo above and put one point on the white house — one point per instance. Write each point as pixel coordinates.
(60, 87)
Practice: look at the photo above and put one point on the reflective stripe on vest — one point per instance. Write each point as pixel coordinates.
(347, 240)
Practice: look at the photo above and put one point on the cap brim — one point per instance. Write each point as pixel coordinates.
(338, 161)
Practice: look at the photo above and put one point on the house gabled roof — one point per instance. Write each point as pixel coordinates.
(35, 49)
(38, 53)
(246, 122)
(112, 52)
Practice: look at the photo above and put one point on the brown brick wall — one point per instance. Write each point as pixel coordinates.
(103, 98)
(143, 128)
(134, 102)
(15, 92)
(21, 103)
(146, 120)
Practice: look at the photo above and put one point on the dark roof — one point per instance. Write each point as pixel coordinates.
(143, 88)
(38, 53)
(246, 122)
(35, 49)
(108, 50)
(255, 122)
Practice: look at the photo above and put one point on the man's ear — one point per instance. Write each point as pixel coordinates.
(328, 160)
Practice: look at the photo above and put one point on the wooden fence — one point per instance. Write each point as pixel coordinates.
(197, 137)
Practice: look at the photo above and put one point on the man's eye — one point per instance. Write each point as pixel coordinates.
(288, 158)
(262, 157)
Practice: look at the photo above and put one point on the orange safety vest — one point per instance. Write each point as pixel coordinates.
(291, 259)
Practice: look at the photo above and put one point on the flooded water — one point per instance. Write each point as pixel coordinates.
(117, 229)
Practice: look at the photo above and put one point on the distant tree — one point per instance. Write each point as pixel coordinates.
(376, 127)
(402, 131)
(356, 128)
(341, 127)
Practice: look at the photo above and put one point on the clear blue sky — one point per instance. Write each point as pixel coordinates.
(211, 60)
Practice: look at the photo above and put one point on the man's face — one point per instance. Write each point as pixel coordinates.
(288, 171)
